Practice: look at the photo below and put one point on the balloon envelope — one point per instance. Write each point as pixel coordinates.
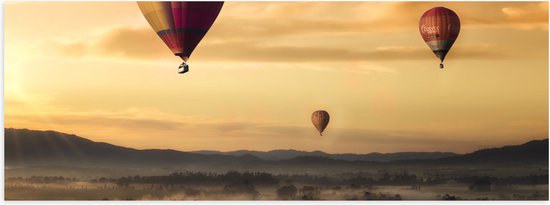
(439, 28)
(181, 25)
(320, 119)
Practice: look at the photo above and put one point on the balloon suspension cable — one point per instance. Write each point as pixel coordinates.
(441, 65)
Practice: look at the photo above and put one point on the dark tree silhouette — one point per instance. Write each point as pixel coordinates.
(245, 187)
(287, 192)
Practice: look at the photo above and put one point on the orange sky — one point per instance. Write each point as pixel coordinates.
(96, 69)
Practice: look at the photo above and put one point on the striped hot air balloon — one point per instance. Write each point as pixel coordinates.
(439, 28)
(320, 120)
(181, 25)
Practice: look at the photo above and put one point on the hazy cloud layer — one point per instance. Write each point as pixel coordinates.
(290, 18)
(143, 44)
(260, 32)
(478, 13)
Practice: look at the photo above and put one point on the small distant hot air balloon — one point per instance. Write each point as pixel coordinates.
(181, 25)
(439, 28)
(320, 120)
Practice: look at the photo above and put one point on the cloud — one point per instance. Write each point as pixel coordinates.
(126, 123)
(126, 42)
(256, 52)
(131, 42)
(261, 28)
(130, 119)
(76, 49)
(477, 13)
(95, 121)
(139, 44)
(226, 126)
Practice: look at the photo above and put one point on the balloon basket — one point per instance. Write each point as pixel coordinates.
(184, 68)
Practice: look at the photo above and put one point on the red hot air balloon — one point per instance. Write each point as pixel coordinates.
(181, 25)
(439, 28)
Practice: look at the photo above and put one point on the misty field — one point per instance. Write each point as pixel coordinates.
(264, 186)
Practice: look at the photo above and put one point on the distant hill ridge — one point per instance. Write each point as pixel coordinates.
(25, 147)
(281, 154)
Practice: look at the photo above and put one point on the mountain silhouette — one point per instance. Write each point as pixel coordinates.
(532, 152)
(374, 156)
(32, 148)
